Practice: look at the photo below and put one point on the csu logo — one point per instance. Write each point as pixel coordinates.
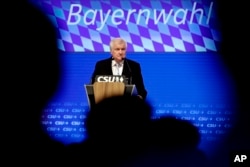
(109, 78)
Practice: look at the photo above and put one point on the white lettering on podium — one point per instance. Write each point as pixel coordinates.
(110, 79)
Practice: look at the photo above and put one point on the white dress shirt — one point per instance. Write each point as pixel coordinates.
(117, 67)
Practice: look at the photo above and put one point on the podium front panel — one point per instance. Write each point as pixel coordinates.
(105, 91)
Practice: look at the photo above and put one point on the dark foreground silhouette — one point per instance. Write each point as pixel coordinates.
(30, 78)
(121, 133)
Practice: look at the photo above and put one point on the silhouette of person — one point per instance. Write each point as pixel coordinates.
(30, 78)
(121, 133)
(117, 129)
(238, 140)
(173, 143)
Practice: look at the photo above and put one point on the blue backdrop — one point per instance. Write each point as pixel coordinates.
(189, 86)
(177, 44)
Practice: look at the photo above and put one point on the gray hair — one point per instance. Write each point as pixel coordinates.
(117, 40)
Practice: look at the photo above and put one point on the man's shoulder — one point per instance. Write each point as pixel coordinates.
(104, 60)
(133, 62)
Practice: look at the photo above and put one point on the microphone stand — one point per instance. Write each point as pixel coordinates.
(130, 71)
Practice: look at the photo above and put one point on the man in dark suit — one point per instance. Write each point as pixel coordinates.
(118, 64)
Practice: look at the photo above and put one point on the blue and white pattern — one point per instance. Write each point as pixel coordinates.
(147, 25)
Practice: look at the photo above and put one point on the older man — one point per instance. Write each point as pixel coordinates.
(118, 64)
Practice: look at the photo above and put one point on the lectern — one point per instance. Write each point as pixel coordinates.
(107, 88)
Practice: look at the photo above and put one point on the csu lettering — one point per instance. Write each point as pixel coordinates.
(110, 79)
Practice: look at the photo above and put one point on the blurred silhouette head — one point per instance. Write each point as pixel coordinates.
(118, 119)
(170, 132)
(32, 73)
(30, 78)
(173, 143)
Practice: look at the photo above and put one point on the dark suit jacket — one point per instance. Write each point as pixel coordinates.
(131, 70)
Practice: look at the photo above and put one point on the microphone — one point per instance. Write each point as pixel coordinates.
(130, 71)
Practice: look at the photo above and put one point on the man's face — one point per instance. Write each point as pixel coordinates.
(118, 51)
